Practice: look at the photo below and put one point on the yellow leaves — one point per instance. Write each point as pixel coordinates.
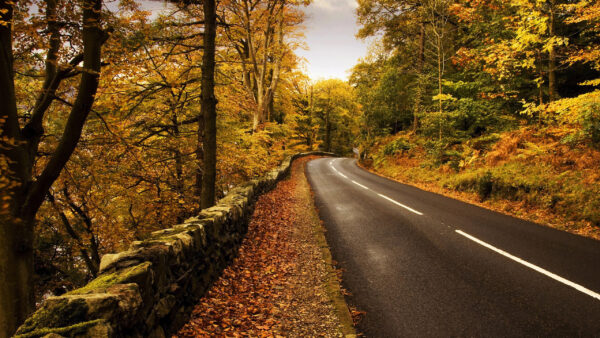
(595, 83)
(553, 42)
(574, 110)
(443, 97)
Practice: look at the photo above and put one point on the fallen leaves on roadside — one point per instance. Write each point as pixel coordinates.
(275, 286)
(356, 314)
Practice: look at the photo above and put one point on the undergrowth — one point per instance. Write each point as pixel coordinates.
(531, 173)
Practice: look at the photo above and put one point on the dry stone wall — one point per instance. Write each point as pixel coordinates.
(150, 289)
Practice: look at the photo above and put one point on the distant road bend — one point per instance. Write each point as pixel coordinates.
(421, 264)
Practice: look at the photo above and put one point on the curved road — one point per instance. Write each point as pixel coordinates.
(421, 264)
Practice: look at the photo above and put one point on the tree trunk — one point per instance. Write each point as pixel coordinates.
(327, 133)
(209, 106)
(440, 51)
(259, 114)
(552, 56)
(25, 198)
(420, 66)
(541, 77)
(16, 252)
(199, 157)
(311, 108)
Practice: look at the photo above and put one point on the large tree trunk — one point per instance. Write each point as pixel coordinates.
(209, 106)
(25, 197)
(16, 254)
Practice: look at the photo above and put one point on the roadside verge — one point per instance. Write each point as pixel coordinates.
(282, 283)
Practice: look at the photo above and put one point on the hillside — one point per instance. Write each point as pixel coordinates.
(530, 173)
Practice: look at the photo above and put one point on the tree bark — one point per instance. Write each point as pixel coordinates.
(541, 77)
(441, 111)
(209, 106)
(199, 158)
(25, 198)
(552, 55)
(327, 133)
(420, 66)
(16, 258)
(311, 108)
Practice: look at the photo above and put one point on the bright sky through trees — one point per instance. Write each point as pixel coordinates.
(330, 36)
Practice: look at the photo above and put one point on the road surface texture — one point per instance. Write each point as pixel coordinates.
(421, 264)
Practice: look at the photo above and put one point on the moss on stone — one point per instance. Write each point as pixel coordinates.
(57, 312)
(71, 330)
(102, 282)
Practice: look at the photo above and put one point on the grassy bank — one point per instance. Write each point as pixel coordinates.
(531, 173)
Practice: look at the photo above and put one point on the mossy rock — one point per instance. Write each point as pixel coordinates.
(134, 274)
(93, 328)
(121, 260)
(54, 313)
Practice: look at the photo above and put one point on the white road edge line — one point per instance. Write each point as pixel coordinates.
(402, 205)
(532, 266)
(360, 185)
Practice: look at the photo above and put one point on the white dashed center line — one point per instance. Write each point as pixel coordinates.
(380, 195)
(360, 185)
(401, 205)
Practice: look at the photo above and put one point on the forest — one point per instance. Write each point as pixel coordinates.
(116, 121)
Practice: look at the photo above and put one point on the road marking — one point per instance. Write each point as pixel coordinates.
(532, 266)
(402, 205)
(334, 169)
(366, 188)
(360, 185)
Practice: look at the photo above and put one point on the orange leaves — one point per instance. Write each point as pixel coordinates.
(463, 13)
(271, 289)
(356, 314)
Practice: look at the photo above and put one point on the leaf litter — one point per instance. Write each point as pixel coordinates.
(276, 285)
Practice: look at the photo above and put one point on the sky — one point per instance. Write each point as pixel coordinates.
(330, 30)
(330, 36)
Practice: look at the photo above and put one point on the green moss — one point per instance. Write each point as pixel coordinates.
(79, 328)
(104, 281)
(56, 313)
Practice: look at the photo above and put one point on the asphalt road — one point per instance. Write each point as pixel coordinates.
(424, 265)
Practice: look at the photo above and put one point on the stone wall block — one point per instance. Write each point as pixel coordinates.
(164, 306)
(129, 304)
(121, 260)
